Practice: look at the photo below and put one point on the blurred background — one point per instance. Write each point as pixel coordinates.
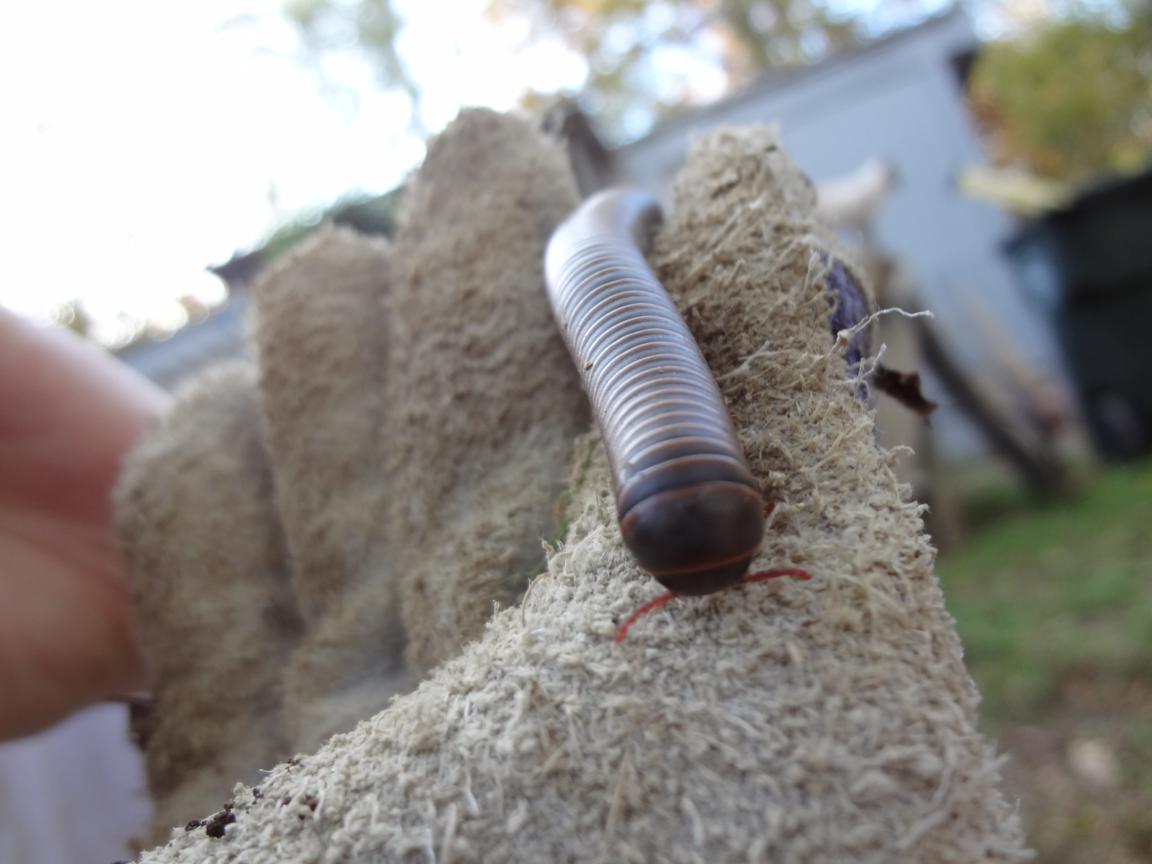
(990, 161)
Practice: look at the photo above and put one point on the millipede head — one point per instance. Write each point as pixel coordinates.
(698, 539)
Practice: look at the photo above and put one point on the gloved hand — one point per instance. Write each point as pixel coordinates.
(392, 469)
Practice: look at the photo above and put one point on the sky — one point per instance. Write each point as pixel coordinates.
(144, 140)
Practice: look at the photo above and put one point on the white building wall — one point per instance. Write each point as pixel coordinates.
(899, 100)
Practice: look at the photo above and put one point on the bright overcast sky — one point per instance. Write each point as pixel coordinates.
(144, 140)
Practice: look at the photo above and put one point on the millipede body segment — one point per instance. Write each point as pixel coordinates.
(690, 510)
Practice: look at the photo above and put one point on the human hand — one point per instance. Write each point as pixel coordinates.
(70, 415)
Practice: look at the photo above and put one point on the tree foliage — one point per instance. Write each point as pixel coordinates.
(1072, 99)
(371, 26)
(624, 41)
(640, 55)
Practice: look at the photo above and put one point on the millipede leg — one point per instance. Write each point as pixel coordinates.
(641, 612)
(765, 575)
(663, 599)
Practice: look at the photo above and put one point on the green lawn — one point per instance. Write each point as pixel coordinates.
(1065, 590)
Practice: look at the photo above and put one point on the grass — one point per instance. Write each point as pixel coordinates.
(1054, 607)
(1056, 592)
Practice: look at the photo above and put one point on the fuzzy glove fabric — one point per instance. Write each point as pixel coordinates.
(309, 539)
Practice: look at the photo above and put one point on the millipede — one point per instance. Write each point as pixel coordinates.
(689, 509)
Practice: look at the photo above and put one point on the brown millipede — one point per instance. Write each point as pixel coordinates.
(689, 508)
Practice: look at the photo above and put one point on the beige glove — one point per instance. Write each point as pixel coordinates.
(419, 415)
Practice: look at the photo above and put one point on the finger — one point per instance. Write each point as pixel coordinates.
(72, 413)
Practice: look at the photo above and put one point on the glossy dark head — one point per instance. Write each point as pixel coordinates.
(697, 539)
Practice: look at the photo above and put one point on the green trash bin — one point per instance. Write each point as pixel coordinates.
(1089, 264)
